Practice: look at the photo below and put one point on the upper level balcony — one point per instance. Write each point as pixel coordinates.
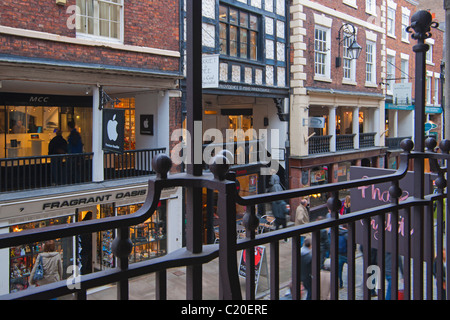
(343, 142)
(28, 173)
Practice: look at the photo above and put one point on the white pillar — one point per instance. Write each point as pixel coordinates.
(395, 123)
(97, 132)
(377, 124)
(355, 129)
(332, 127)
(4, 265)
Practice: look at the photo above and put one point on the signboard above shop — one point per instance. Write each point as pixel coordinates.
(402, 94)
(113, 130)
(210, 71)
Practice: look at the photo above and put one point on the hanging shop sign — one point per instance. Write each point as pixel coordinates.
(146, 122)
(113, 130)
(210, 71)
(402, 94)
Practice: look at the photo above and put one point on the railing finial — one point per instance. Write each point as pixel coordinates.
(161, 164)
(407, 145)
(444, 145)
(220, 164)
(430, 143)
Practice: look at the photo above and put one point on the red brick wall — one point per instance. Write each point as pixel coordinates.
(336, 74)
(152, 24)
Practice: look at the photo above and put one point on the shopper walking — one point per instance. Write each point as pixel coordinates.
(51, 263)
(342, 251)
(306, 267)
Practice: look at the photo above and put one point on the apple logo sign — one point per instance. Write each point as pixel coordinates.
(145, 123)
(112, 129)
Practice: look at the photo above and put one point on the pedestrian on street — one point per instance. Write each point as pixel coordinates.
(342, 251)
(279, 207)
(306, 268)
(302, 216)
(52, 265)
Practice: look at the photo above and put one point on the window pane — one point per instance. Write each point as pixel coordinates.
(222, 13)
(244, 46)
(223, 38)
(233, 41)
(253, 46)
(254, 22)
(244, 20)
(233, 16)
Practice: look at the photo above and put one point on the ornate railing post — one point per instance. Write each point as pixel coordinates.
(442, 215)
(334, 204)
(226, 209)
(421, 23)
(250, 222)
(122, 247)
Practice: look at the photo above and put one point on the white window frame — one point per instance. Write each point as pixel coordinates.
(406, 14)
(96, 35)
(348, 65)
(325, 76)
(429, 55)
(404, 67)
(371, 7)
(436, 92)
(371, 66)
(405, 23)
(390, 22)
(428, 91)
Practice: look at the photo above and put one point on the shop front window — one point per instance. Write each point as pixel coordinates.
(25, 131)
(149, 238)
(22, 258)
(130, 123)
(318, 176)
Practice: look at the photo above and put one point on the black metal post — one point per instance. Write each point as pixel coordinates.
(421, 22)
(194, 117)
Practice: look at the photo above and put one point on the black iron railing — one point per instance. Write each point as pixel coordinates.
(394, 143)
(131, 163)
(426, 247)
(28, 173)
(37, 172)
(345, 142)
(367, 140)
(319, 144)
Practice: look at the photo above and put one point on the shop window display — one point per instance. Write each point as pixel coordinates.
(26, 131)
(22, 258)
(130, 123)
(106, 239)
(149, 238)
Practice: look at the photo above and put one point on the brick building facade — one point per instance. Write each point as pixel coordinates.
(68, 62)
(337, 102)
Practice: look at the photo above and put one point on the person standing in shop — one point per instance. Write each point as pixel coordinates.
(74, 139)
(75, 146)
(52, 264)
(57, 146)
(85, 241)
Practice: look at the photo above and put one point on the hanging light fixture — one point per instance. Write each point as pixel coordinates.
(348, 31)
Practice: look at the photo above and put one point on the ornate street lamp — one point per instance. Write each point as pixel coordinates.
(348, 31)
